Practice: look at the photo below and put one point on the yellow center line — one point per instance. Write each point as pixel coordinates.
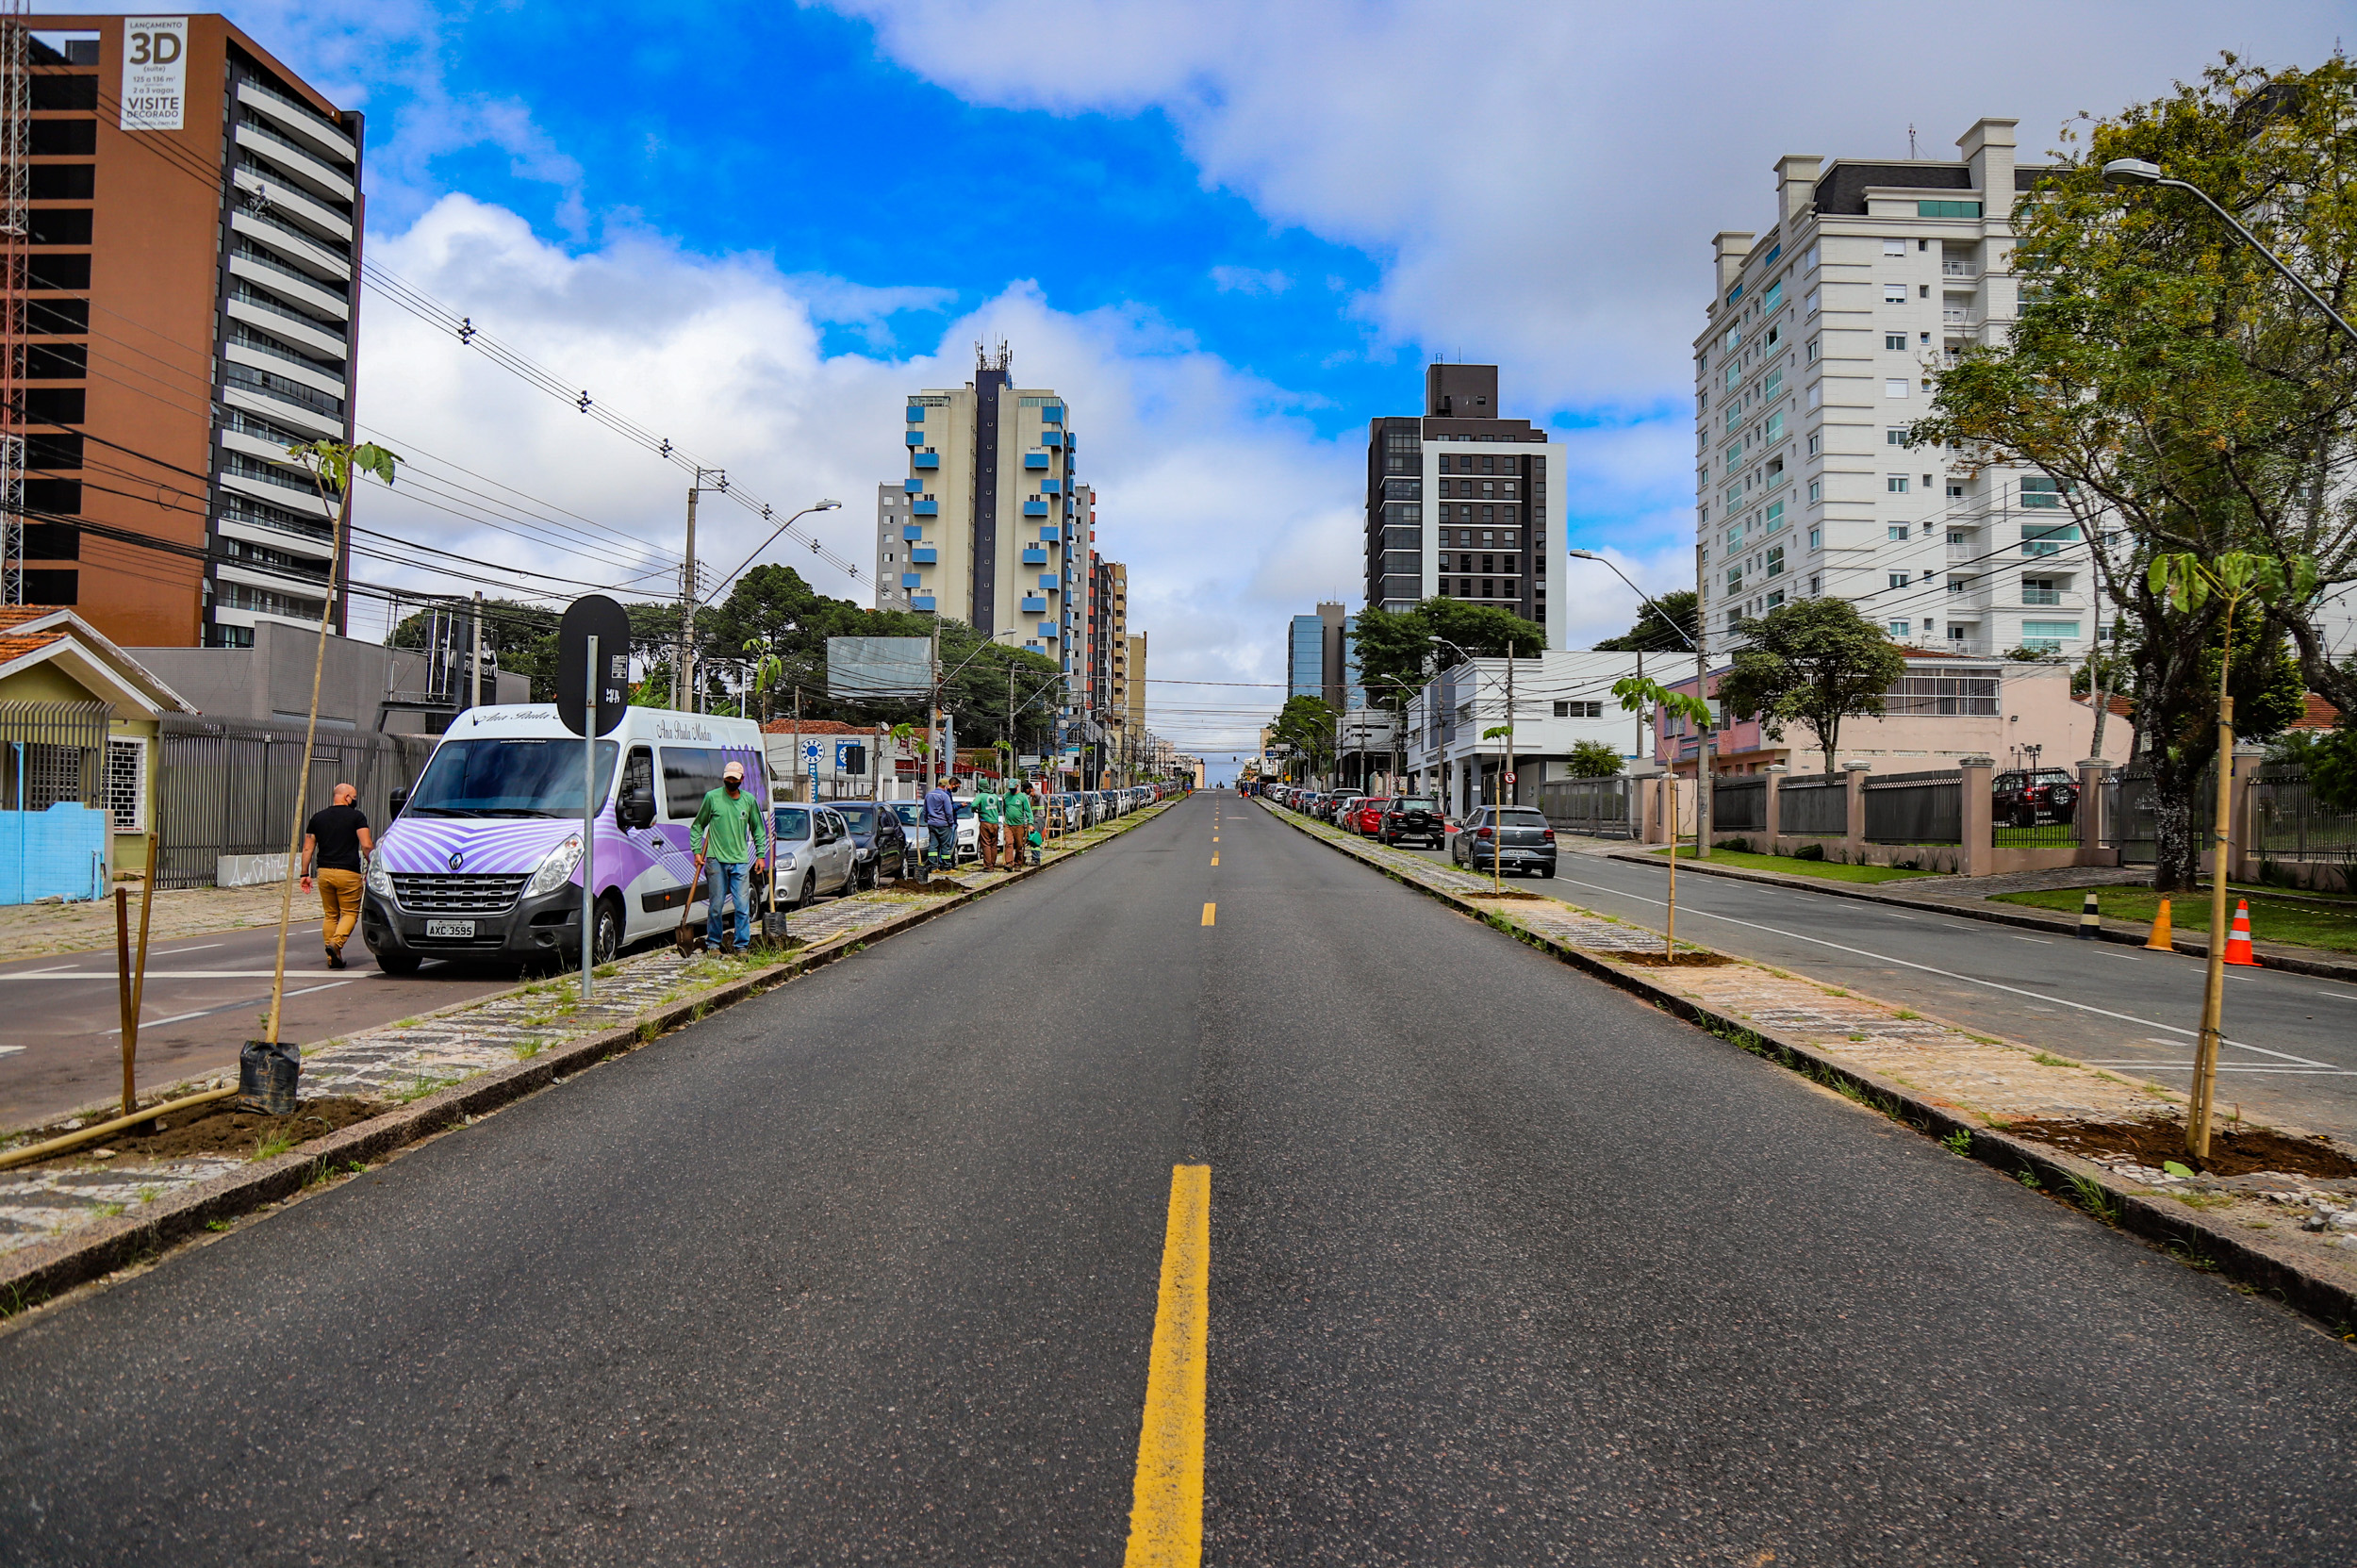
(1207, 912)
(1166, 1507)
(1215, 857)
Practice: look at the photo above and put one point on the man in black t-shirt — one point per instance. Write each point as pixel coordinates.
(337, 837)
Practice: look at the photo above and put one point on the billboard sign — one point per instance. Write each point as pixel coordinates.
(155, 73)
(879, 669)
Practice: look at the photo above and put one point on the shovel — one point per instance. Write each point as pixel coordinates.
(686, 939)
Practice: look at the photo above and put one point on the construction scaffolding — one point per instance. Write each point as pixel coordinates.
(15, 120)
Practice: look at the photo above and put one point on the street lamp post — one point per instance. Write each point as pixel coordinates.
(1701, 677)
(2130, 173)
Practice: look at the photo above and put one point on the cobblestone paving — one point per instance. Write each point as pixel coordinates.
(418, 1056)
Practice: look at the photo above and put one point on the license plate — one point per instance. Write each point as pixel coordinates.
(450, 928)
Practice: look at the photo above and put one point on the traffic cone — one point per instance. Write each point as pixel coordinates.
(2090, 923)
(2238, 939)
(2160, 942)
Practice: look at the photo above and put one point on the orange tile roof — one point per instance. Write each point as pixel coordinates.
(2320, 714)
(14, 646)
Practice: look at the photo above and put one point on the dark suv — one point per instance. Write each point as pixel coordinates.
(1416, 816)
(1517, 837)
(2025, 798)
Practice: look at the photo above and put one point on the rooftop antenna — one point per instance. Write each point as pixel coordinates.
(1910, 143)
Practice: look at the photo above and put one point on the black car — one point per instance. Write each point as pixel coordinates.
(1416, 816)
(1516, 837)
(2026, 797)
(879, 840)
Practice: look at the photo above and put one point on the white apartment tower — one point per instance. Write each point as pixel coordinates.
(1825, 337)
(894, 515)
(988, 487)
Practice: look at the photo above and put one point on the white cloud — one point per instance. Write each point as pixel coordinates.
(1212, 487)
(1249, 280)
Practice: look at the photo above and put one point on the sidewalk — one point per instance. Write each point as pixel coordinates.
(410, 1061)
(35, 930)
(1968, 897)
(2294, 1231)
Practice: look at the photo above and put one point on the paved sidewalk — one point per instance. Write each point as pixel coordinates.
(1977, 1079)
(408, 1060)
(31, 931)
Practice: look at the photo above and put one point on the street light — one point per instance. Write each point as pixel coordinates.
(2130, 173)
(816, 507)
(1702, 690)
(1608, 561)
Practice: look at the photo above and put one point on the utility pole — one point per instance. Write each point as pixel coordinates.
(683, 668)
(474, 676)
(1702, 691)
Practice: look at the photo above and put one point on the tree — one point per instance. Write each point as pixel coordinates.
(1594, 759)
(1307, 725)
(1397, 648)
(1641, 694)
(2186, 399)
(1814, 662)
(1668, 625)
(522, 640)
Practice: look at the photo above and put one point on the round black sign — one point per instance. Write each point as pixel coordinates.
(593, 616)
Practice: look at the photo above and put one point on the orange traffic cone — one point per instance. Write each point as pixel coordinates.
(2160, 942)
(2238, 939)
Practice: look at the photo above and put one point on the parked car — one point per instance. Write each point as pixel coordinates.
(2026, 797)
(880, 841)
(1414, 817)
(815, 854)
(969, 832)
(1517, 837)
(1365, 814)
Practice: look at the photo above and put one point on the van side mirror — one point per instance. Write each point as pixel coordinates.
(635, 809)
(400, 797)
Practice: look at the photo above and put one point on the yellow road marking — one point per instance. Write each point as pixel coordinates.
(1166, 1511)
(1215, 857)
(1207, 912)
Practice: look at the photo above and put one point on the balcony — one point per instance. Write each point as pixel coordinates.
(911, 533)
(1047, 630)
(912, 486)
(916, 414)
(928, 460)
(1034, 605)
(1051, 438)
(925, 555)
(911, 580)
(2041, 596)
(1047, 581)
(1052, 413)
(914, 437)
(921, 602)
(1034, 507)
(300, 117)
(1052, 533)
(1035, 459)
(925, 508)
(1036, 557)
(1963, 270)
(1051, 487)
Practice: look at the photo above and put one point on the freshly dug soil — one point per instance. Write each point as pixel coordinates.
(1663, 961)
(2233, 1151)
(221, 1129)
(910, 884)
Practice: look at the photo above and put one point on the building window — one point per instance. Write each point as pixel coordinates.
(1896, 531)
(1894, 247)
(1579, 710)
(2044, 493)
(1815, 439)
(1897, 386)
(1776, 599)
(1896, 484)
(1776, 562)
(1896, 340)
(2049, 635)
(1809, 352)
(1808, 302)
(1773, 430)
(1897, 579)
(1895, 435)
(1812, 584)
(1947, 209)
(126, 784)
(1894, 293)
(1815, 490)
(1816, 538)
(1901, 629)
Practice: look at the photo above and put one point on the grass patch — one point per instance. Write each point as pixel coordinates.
(418, 1089)
(271, 1145)
(2048, 1059)
(1824, 869)
(2305, 924)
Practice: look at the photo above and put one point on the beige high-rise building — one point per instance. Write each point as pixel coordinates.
(1134, 713)
(990, 520)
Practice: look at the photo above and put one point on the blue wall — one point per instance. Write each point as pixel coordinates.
(60, 852)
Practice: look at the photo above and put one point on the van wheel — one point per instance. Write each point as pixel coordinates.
(606, 932)
(398, 963)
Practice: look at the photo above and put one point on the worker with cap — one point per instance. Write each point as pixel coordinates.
(729, 837)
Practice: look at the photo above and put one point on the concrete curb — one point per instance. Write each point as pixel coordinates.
(42, 1272)
(2184, 1236)
(2274, 955)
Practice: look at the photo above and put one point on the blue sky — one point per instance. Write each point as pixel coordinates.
(1229, 231)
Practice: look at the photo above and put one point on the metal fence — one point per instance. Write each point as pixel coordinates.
(1814, 808)
(229, 787)
(52, 753)
(1739, 806)
(1914, 808)
(1599, 807)
(2128, 817)
(2289, 823)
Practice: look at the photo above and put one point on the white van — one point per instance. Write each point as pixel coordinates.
(483, 856)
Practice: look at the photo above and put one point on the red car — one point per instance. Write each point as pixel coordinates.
(1365, 814)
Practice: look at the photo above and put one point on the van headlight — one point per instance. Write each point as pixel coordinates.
(555, 870)
(380, 880)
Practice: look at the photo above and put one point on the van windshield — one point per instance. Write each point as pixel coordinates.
(511, 777)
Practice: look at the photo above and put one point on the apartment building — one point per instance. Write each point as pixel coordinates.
(1321, 660)
(1134, 709)
(989, 488)
(896, 517)
(1825, 338)
(180, 313)
(1465, 503)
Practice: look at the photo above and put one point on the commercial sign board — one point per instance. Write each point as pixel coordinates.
(155, 73)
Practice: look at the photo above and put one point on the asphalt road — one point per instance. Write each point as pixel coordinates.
(1506, 1267)
(2292, 1058)
(60, 1014)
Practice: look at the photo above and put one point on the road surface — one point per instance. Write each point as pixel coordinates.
(1504, 1268)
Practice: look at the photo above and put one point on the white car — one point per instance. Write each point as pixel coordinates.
(814, 853)
(969, 832)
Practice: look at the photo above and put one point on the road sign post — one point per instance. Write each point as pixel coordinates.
(593, 660)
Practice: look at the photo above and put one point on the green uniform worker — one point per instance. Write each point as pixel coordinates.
(1018, 815)
(986, 814)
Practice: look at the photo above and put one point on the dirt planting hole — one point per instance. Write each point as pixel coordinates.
(2233, 1150)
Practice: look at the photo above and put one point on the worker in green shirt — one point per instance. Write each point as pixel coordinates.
(986, 818)
(727, 836)
(1017, 812)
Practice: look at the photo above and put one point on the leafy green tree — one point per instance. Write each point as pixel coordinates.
(1307, 725)
(520, 637)
(1812, 662)
(2187, 399)
(1594, 759)
(1668, 625)
(1397, 648)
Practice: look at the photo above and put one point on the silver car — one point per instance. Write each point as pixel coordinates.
(815, 854)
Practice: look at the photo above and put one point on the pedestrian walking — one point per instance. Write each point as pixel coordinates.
(987, 826)
(335, 838)
(1017, 810)
(941, 826)
(728, 838)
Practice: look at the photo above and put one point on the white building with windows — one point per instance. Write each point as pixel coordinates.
(1558, 700)
(1826, 334)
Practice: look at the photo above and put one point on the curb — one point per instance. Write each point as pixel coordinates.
(2183, 1237)
(46, 1270)
(2274, 954)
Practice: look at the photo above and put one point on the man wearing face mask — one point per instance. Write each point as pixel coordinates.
(729, 837)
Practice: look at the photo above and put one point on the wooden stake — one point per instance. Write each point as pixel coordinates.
(123, 984)
(139, 980)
